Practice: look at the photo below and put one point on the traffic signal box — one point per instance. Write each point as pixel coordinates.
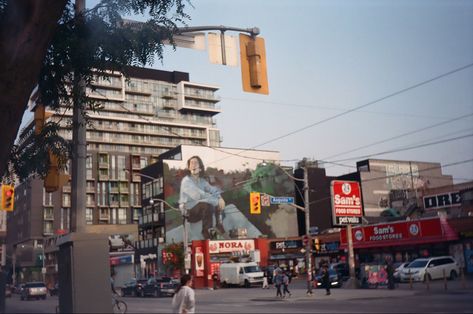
(253, 65)
(54, 179)
(255, 203)
(8, 197)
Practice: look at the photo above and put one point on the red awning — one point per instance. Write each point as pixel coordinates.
(413, 232)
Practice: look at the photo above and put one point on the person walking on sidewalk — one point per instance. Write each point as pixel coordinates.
(278, 281)
(326, 279)
(183, 301)
(285, 283)
(265, 281)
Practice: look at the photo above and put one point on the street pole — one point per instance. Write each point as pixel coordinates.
(308, 253)
(351, 256)
(79, 145)
(185, 237)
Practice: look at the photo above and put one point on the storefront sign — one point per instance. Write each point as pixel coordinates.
(346, 202)
(442, 200)
(121, 260)
(229, 246)
(288, 244)
(398, 233)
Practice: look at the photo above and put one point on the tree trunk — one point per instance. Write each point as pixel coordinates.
(26, 30)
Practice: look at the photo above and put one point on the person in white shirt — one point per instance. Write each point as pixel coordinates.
(183, 301)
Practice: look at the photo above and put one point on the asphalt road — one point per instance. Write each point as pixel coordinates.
(458, 298)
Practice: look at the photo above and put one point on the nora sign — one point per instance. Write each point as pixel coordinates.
(347, 208)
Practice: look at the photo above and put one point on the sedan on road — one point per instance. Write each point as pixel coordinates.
(134, 288)
(34, 290)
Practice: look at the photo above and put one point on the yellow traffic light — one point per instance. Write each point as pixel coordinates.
(54, 179)
(8, 197)
(253, 65)
(255, 203)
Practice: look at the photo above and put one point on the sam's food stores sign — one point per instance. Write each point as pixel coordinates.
(346, 202)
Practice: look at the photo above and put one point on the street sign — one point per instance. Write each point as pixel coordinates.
(347, 208)
(265, 200)
(282, 200)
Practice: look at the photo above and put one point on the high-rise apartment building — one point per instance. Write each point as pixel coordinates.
(143, 113)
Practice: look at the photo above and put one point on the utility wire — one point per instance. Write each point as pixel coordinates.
(425, 82)
(408, 148)
(400, 135)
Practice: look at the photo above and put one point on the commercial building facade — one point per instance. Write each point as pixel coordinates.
(143, 113)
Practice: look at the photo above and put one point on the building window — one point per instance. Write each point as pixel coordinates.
(48, 228)
(66, 200)
(48, 213)
(122, 216)
(89, 216)
(47, 198)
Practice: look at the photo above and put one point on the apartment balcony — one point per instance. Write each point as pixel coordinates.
(124, 204)
(203, 96)
(66, 189)
(114, 190)
(103, 176)
(103, 165)
(114, 204)
(137, 90)
(169, 95)
(104, 216)
(136, 166)
(193, 107)
(90, 189)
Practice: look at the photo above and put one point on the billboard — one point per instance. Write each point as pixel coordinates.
(213, 185)
(347, 208)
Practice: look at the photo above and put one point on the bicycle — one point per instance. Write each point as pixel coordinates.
(119, 306)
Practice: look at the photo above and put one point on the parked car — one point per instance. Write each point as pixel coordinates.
(134, 288)
(169, 288)
(431, 268)
(398, 267)
(334, 277)
(154, 286)
(34, 290)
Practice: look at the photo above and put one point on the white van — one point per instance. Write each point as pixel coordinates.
(242, 274)
(430, 268)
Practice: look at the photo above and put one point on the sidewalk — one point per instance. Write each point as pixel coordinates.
(298, 289)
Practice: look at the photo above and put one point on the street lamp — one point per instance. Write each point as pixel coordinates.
(185, 235)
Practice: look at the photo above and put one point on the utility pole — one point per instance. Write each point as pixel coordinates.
(79, 144)
(308, 259)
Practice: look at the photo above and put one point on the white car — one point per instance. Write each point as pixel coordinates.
(431, 268)
(398, 267)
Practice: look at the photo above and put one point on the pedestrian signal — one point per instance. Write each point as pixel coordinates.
(255, 203)
(8, 197)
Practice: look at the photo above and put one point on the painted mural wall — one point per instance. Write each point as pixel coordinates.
(213, 185)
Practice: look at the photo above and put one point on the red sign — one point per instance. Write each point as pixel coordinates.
(346, 202)
(398, 233)
(231, 246)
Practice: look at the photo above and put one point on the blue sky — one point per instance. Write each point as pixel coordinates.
(327, 57)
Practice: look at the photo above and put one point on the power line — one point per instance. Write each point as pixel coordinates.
(368, 104)
(401, 135)
(408, 148)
